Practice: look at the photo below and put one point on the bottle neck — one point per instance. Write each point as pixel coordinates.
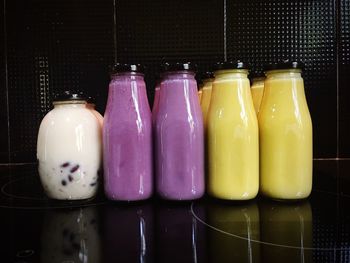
(127, 91)
(283, 74)
(69, 104)
(127, 75)
(230, 74)
(284, 89)
(182, 74)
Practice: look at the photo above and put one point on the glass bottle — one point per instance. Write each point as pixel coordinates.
(179, 135)
(285, 134)
(127, 136)
(233, 137)
(69, 149)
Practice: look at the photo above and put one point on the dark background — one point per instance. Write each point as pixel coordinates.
(54, 45)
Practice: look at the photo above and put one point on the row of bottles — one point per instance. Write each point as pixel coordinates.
(159, 233)
(282, 154)
(187, 151)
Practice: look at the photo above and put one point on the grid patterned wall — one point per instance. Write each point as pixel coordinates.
(263, 31)
(344, 78)
(53, 46)
(62, 44)
(3, 93)
(159, 31)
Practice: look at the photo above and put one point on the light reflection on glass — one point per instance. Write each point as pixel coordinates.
(128, 233)
(289, 227)
(239, 220)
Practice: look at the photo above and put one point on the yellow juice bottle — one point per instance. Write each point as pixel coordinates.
(257, 90)
(206, 95)
(233, 147)
(285, 134)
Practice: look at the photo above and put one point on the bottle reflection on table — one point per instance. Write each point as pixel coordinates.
(234, 219)
(128, 233)
(70, 235)
(286, 224)
(179, 236)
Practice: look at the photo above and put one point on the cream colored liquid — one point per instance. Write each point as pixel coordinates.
(257, 90)
(233, 146)
(285, 138)
(69, 152)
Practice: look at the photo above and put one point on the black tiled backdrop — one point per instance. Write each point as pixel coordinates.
(344, 79)
(68, 44)
(3, 96)
(302, 30)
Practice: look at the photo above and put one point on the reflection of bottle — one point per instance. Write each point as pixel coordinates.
(70, 235)
(286, 225)
(237, 220)
(179, 236)
(128, 233)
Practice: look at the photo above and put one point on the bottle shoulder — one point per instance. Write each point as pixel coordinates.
(69, 117)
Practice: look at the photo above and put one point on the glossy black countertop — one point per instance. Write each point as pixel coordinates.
(35, 229)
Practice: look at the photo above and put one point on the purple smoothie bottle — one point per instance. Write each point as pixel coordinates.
(179, 135)
(127, 136)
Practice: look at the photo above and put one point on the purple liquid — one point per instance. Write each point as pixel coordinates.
(127, 140)
(179, 139)
(155, 104)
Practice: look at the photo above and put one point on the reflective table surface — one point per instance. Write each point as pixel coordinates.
(36, 229)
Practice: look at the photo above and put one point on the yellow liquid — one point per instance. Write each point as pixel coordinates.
(285, 138)
(200, 95)
(205, 100)
(257, 90)
(233, 147)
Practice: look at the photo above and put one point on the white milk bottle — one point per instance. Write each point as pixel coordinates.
(69, 149)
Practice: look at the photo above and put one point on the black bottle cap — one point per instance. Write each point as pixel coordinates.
(68, 95)
(124, 67)
(284, 64)
(238, 64)
(178, 66)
